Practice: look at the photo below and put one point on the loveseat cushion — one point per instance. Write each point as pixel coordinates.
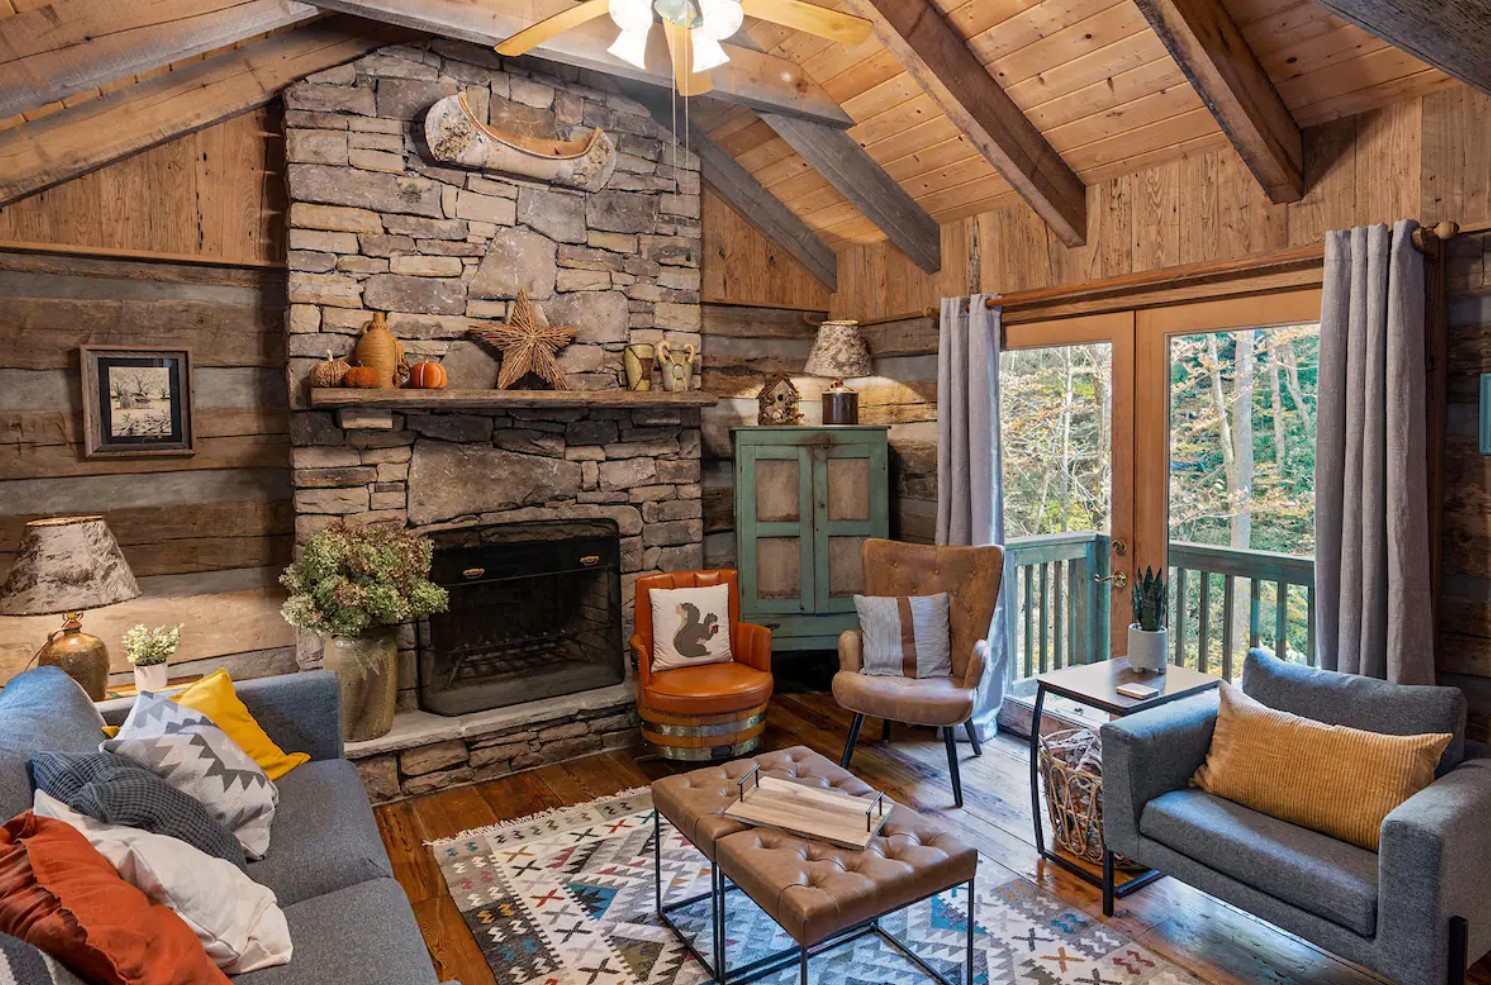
(42, 710)
(364, 933)
(1304, 868)
(324, 836)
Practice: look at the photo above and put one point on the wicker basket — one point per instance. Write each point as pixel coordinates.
(1074, 794)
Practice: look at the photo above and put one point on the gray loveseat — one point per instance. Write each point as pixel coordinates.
(349, 920)
(1415, 911)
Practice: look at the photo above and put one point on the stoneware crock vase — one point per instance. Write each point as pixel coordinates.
(381, 350)
(151, 678)
(677, 365)
(367, 674)
(1148, 651)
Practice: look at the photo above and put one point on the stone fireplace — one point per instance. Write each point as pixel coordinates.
(377, 225)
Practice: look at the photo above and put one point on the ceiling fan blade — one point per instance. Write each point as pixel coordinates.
(810, 18)
(681, 51)
(536, 34)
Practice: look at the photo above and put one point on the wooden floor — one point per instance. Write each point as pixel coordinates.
(1211, 940)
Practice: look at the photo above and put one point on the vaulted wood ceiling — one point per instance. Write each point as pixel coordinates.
(1093, 77)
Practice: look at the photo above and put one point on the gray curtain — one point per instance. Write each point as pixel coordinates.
(970, 498)
(1371, 467)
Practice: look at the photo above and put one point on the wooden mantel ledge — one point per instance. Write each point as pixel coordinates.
(391, 399)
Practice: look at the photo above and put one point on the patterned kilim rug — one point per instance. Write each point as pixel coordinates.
(566, 898)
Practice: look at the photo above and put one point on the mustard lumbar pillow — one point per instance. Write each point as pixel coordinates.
(1333, 779)
(214, 697)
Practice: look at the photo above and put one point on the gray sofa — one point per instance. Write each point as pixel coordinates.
(1414, 912)
(349, 920)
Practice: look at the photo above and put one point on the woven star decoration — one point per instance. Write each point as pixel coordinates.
(528, 345)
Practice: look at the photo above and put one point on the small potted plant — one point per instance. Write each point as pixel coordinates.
(1149, 640)
(352, 586)
(149, 651)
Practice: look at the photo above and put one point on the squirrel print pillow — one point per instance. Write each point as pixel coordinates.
(690, 626)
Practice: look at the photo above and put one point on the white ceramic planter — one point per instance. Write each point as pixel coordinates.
(1149, 651)
(151, 678)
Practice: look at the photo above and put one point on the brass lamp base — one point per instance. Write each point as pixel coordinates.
(79, 655)
(840, 404)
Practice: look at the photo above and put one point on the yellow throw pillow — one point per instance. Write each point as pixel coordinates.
(214, 697)
(1333, 779)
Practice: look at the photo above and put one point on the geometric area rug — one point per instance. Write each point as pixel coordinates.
(566, 898)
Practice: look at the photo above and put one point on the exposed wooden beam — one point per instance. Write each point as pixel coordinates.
(70, 46)
(849, 168)
(762, 81)
(942, 64)
(1206, 43)
(749, 197)
(64, 145)
(1451, 35)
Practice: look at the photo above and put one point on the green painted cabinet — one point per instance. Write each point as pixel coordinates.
(805, 499)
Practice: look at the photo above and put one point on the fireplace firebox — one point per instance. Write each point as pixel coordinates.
(535, 612)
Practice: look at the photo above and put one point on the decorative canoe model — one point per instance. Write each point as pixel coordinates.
(456, 136)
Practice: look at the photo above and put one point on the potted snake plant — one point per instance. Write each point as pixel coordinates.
(1149, 639)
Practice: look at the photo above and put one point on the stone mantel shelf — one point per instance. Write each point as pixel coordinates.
(391, 399)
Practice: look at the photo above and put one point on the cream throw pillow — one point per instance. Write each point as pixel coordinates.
(1333, 779)
(690, 626)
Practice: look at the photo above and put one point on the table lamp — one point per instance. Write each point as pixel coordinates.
(839, 351)
(68, 564)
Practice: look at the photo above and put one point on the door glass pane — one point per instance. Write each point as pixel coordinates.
(1242, 495)
(1055, 418)
(777, 490)
(848, 488)
(778, 567)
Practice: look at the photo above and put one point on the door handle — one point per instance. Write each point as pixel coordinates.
(1118, 578)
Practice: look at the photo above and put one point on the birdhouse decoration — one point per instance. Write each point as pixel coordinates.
(777, 403)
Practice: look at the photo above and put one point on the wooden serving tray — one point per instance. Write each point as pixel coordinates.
(811, 812)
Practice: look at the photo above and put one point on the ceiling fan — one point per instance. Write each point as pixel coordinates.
(693, 29)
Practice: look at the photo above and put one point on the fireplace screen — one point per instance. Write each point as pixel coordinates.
(535, 611)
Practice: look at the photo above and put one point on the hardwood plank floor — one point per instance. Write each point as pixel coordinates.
(1218, 944)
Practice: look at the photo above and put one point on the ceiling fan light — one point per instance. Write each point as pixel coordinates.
(632, 16)
(707, 53)
(721, 18)
(631, 47)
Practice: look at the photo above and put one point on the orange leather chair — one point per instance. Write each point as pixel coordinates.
(714, 711)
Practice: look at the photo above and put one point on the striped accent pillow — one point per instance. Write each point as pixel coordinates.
(1337, 780)
(905, 635)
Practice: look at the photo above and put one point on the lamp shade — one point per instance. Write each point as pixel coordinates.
(67, 564)
(839, 351)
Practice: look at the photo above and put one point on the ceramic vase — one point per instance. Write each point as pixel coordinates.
(1149, 651)
(151, 678)
(367, 674)
(639, 359)
(677, 365)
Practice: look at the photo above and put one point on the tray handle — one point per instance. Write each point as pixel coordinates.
(754, 771)
(878, 802)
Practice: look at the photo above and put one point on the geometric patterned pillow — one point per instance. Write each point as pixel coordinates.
(185, 749)
(22, 964)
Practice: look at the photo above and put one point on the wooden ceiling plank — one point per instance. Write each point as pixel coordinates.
(941, 62)
(91, 135)
(1447, 34)
(1232, 83)
(751, 78)
(849, 168)
(72, 46)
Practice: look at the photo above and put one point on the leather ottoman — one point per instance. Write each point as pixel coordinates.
(822, 895)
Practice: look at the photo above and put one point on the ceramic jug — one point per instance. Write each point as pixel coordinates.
(677, 366)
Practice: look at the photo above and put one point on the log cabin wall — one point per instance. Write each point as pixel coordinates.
(207, 535)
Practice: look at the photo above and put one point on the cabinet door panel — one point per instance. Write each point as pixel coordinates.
(778, 495)
(849, 488)
(850, 477)
(773, 508)
(779, 569)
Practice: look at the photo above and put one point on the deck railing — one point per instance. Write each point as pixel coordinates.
(1222, 600)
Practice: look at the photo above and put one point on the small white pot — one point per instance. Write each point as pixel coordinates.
(1149, 651)
(151, 678)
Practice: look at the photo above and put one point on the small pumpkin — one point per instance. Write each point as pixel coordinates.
(428, 376)
(363, 378)
(329, 373)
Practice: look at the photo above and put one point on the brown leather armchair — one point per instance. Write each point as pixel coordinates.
(971, 576)
(715, 711)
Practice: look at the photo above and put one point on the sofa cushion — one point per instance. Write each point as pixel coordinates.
(363, 933)
(1360, 702)
(324, 836)
(42, 710)
(1304, 868)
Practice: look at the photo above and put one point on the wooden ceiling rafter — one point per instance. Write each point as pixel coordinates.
(1448, 34)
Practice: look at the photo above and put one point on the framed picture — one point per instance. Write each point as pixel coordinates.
(137, 401)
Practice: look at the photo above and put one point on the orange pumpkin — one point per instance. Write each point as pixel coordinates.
(428, 376)
(363, 378)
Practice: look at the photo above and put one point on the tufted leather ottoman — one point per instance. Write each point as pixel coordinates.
(821, 895)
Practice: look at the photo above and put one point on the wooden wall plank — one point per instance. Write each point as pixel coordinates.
(740, 265)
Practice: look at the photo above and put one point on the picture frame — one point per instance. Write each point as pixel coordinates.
(137, 401)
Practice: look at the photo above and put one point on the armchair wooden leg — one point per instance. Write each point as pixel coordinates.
(854, 727)
(978, 747)
(952, 765)
(1459, 946)
(885, 730)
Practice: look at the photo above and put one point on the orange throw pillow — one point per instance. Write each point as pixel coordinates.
(58, 894)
